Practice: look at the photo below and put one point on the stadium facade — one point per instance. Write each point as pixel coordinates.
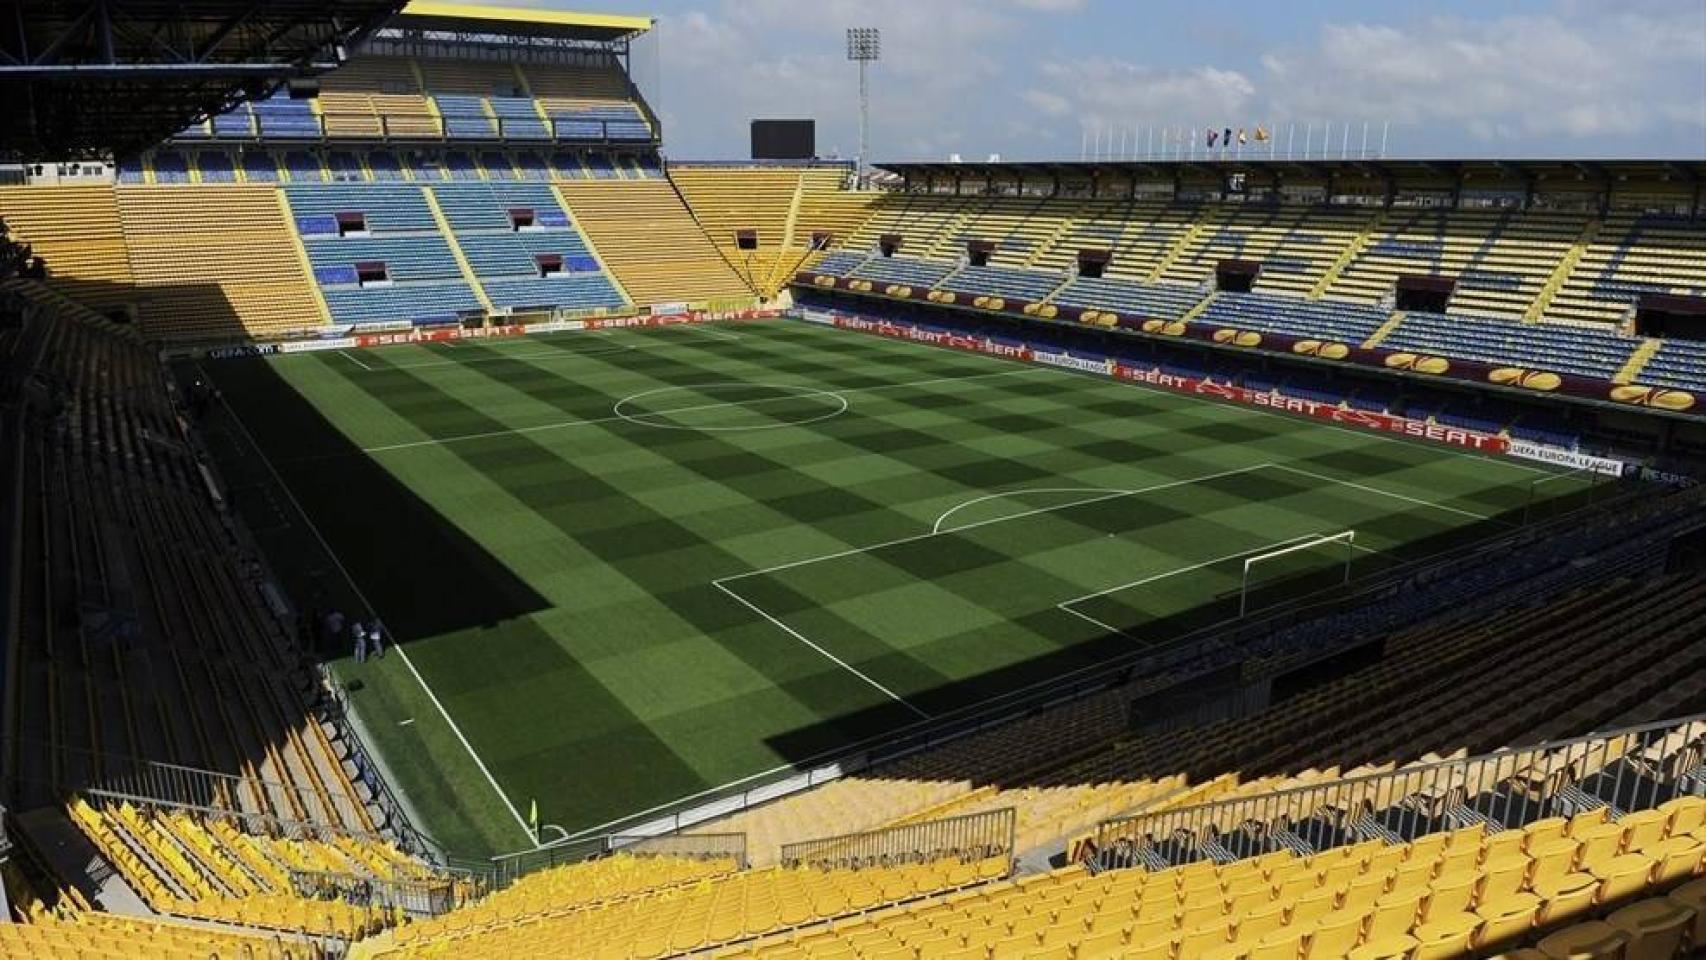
(1369, 626)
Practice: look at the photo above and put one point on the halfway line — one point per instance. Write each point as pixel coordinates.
(563, 424)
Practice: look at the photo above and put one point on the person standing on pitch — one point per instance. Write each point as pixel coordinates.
(360, 642)
(376, 638)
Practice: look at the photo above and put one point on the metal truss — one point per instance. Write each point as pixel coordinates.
(95, 78)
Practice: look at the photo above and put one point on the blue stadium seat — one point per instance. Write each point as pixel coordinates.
(1166, 301)
(1003, 281)
(387, 207)
(907, 270)
(1679, 364)
(1346, 322)
(1574, 350)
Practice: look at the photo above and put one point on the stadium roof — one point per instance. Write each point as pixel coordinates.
(91, 77)
(1264, 170)
(523, 21)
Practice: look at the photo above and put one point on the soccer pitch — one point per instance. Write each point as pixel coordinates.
(631, 566)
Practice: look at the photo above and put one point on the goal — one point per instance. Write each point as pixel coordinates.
(1307, 555)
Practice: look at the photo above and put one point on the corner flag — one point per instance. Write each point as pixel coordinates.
(533, 818)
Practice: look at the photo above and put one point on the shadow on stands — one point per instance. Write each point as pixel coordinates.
(155, 660)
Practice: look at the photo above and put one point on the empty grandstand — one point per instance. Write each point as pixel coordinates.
(441, 523)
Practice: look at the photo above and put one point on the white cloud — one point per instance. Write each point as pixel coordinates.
(1052, 6)
(976, 76)
(778, 58)
(1107, 92)
(1571, 80)
(1579, 73)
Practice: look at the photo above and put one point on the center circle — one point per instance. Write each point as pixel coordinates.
(730, 407)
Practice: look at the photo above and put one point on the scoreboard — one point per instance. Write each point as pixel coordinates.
(784, 139)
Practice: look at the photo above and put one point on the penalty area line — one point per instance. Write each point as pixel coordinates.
(797, 635)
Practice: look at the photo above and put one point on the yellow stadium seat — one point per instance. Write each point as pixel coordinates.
(1686, 814)
(1585, 941)
(1335, 934)
(1621, 876)
(1445, 935)
(1566, 906)
(1678, 858)
(1692, 896)
(1656, 928)
(1507, 918)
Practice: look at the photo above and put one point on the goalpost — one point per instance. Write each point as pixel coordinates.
(1327, 542)
(1586, 477)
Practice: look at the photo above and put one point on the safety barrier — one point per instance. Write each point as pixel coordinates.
(969, 838)
(1630, 769)
(430, 897)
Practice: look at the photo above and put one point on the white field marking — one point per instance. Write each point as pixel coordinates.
(721, 583)
(1066, 607)
(797, 635)
(1385, 493)
(404, 723)
(562, 424)
(937, 526)
(606, 350)
(1105, 626)
(352, 358)
(399, 647)
(710, 331)
(1198, 566)
(1256, 411)
(800, 393)
(984, 523)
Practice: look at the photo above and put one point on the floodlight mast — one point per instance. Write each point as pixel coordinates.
(864, 45)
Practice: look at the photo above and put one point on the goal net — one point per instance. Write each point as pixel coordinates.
(1287, 572)
(1558, 494)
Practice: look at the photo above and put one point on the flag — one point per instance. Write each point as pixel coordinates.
(1211, 138)
(1226, 137)
(533, 817)
(1261, 134)
(1241, 138)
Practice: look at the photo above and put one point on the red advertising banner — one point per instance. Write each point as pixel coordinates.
(1156, 377)
(671, 319)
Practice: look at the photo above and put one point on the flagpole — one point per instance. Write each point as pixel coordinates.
(1363, 154)
(1383, 125)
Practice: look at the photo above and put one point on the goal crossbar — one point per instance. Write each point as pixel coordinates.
(1347, 537)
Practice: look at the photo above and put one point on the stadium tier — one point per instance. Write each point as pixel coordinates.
(439, 524)
(378, 96)
(650, 242)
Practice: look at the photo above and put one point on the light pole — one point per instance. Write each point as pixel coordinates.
(864, 45)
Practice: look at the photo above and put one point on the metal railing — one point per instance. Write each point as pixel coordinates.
(416, 897)
(470, 129)
(1630, 769)
(697, 846)
(503, 870)
(968, 839)
(245, 799)
(409, 837)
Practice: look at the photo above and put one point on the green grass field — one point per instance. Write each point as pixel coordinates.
(628, 567)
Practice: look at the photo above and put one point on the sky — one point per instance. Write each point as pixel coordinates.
(1050, 79)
